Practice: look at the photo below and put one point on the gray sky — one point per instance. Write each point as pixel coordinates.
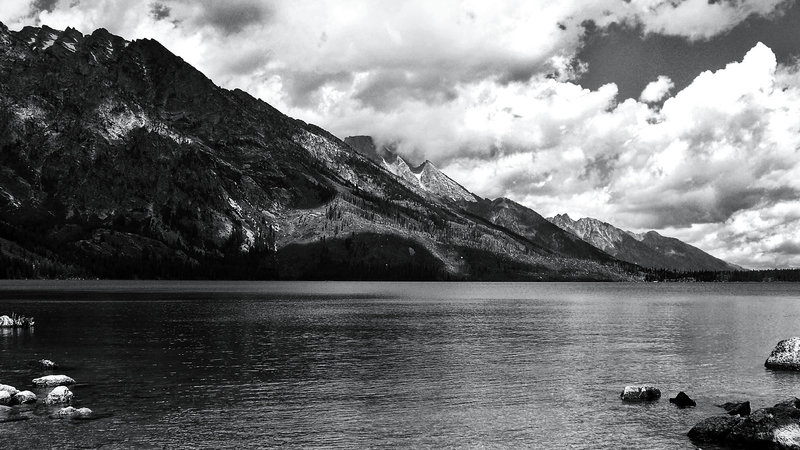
(679, 116)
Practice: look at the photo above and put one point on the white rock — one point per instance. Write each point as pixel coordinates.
(25, 397)
(10, 389)
(5, 398)
(785, 355)
(75, 413)
(53, 380)
(59, 395)
(640, 393)
(47, 364)
(6, 322)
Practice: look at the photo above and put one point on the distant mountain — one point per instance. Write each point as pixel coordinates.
(426, 176)
(649, 249)
(119, 159)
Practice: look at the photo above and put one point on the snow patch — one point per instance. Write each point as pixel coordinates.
(69, 46)
(49, 42)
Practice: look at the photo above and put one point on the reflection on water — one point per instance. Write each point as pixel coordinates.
(392, 364)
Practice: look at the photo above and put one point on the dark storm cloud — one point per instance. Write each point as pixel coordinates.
(232, 17)
(159, 11)
(787, 248)
(625, 55)
(43, 5)
(386, 88)
(302, 87)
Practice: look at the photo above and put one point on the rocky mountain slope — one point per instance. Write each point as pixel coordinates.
(119, 159)
(649, 249)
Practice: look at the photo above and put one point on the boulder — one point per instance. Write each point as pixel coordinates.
(59, 396)
(734, 408)
(46, 364)
(10, 389)
(74, 413)
(785, 355)
(5, 398)
(642, 393)
(53, 380)
(6, 322)
(793, 402)
(24, 397)
(776, 427)
(682, 400)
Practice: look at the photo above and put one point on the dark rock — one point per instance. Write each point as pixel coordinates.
(640, 393)
(713, 429)
(793, 402)
(734, 408)
(776, 427)
(682, 400)
(785, 355)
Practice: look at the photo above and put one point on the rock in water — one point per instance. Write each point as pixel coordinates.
(74, 413)
(6, 322)
(682, 400)
(785, 355)
(734, 408)
(53, 380)
(776, 427)
(10, 389)
(59, 396)
(642, 393)
(24, 397)
(5, 398)
(47, 364)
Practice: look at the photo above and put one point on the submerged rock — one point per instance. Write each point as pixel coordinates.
(46, 364)
(24, 397)
(59, 396)
(682, 400)
(785, 355)
(776, 427)
(734, 408)
(53, 380)
(642, 393)
(74, 413)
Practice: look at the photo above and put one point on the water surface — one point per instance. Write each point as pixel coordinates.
(188, 364)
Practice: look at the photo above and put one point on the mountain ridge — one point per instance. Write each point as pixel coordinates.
(649, 249)
(119, 159)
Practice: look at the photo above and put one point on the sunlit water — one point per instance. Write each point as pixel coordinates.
(391, 364)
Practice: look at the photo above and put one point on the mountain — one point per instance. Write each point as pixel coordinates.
(119, 159)
(426, 176)
(650, 249)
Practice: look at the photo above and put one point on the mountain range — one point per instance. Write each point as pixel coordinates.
(119, 159)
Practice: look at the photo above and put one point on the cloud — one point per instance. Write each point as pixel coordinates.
(655, 91)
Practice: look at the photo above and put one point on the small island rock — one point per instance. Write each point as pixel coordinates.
(59, 395)
(682, 400)
(785, 355)
(6, 322)
(23, 397)
(53, 380)
(642, 393)
(734, 408)
(74, 413)
(46, 364)
(776, 427)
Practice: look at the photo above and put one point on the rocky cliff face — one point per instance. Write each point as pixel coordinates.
(119, 159)
(649, 249)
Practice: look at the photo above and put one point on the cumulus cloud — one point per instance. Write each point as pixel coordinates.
(655, 91)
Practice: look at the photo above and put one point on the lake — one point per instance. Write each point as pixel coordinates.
(422, 365)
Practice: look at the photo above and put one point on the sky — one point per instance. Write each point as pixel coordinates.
(681, 116)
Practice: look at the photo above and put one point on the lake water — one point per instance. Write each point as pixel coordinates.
(422, 365)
